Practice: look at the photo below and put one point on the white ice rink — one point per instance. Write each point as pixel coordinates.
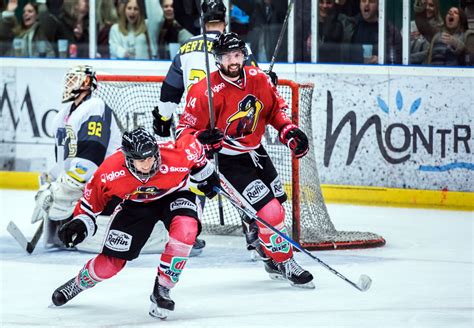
(422, 277)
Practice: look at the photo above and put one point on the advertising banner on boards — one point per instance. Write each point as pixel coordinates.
(394, 127)
(406, 128)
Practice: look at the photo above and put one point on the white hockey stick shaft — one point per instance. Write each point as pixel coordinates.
(364, 280)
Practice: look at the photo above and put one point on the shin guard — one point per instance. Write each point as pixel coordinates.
(275, 246)
(182, 234)
(98, 269)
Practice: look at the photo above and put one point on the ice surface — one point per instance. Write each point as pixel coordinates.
(423, 277)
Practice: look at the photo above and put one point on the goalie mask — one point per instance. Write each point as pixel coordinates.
(139, 144)
(78, 79)
(225, 44)
(213, 11)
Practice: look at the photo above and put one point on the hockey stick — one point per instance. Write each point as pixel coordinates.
(280, 37)
(364, 280)
(28, 246)
(211, 109)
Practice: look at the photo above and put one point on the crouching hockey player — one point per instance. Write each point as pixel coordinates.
(154, 181)
(85, 133)
(245, 102)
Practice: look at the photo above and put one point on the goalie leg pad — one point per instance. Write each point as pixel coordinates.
(66, 191)
(182, 234)
(274, 245)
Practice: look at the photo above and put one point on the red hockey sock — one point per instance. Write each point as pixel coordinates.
(273, 244)
(182, 234)
(98, 269)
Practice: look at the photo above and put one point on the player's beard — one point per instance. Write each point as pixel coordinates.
(234, 72)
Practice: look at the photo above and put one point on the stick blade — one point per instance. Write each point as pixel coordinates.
(364, 283)
(12, 228)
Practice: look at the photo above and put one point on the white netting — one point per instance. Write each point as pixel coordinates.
(133, 98)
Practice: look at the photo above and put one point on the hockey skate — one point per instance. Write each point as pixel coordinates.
(161, 303)
(295, 274)
(272, 269)
(250, 230)
(66, 292)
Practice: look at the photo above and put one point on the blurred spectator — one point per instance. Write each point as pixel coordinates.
(6, 32)
(469, 51)
(428, 18)
(187, 14)
(28, 38)
(419, 46)
(129, 39)
(239, 21)
(170, 31)
(364, 48)
(349, 8)
(447, 46)
(266, 20)
(334, 29)
(71, 25)
(106, 14)
(469, 10)
(154, 20)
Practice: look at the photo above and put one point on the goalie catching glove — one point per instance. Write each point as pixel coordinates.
(56, 200)
(161, 124)
(211, 139)
(75, 231)
(295, 139)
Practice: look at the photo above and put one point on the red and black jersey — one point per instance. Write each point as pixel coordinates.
(112, 178)
(242, 109)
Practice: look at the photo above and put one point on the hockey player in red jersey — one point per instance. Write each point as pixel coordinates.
(245, 102)
(154, 182)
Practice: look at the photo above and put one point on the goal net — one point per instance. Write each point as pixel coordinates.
(132, 99)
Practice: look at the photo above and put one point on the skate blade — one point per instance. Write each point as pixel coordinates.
(157, 312)
(254, 256)
(308, 285)
(276, 276)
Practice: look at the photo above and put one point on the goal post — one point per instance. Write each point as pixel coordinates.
(132, 99)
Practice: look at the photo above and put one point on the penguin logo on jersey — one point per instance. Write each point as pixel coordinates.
(244, 121)
(147, 192)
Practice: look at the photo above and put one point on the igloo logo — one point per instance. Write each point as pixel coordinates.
(112, 175)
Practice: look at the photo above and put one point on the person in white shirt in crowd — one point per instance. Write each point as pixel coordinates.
(129, 38)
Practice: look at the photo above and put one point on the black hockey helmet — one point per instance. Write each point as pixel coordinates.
(213, 11)
(140, 144)
(228, 42)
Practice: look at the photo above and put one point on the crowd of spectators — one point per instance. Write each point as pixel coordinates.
(154, 29)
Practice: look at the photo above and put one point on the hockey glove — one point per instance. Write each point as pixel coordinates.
(211, 139)
(75, 231)
(295, 139)
(207, 186)
(44, 200)
(272, 75)
(161, 125)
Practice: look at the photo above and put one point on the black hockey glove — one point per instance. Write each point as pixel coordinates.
(72, 233)
(295, 139)
(207, 186)
(161, 125)
(273, 77)
(211, 139)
